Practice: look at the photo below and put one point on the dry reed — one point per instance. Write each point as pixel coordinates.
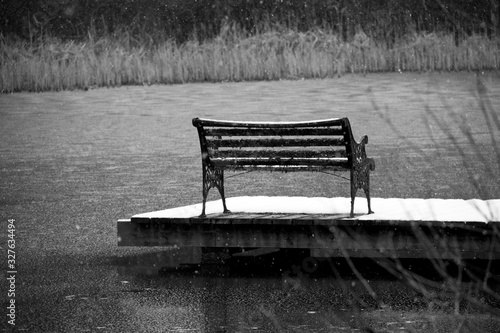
(233, 56)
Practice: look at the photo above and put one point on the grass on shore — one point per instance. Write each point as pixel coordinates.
(233, 56)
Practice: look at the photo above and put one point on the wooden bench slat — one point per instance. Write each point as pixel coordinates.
(256, 124)
(281, 161)
(273, 131)
(325, 142)
(218, 153)
(286, 168)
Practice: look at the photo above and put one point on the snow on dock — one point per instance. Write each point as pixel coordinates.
(390, 209)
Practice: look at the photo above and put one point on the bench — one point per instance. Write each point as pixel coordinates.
(321, 145)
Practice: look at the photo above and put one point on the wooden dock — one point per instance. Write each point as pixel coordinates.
(399, 228)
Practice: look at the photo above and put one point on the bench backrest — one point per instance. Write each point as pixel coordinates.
(280, 146)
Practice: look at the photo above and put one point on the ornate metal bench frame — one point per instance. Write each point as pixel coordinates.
(353, 158)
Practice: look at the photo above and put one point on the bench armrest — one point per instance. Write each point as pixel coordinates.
(359, 157)
(357, 150)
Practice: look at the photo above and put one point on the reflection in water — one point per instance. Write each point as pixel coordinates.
(329, 298)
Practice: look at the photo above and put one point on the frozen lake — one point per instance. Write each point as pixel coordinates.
(73, 163)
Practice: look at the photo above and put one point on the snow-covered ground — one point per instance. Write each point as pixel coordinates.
(394, 209)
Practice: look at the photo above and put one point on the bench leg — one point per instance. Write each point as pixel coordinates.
(213, 178)
(354, 189)
(360, 179)
(221, 191)
(366, 184)
(367, 192)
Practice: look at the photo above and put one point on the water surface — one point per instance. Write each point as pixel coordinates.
(73, 163)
